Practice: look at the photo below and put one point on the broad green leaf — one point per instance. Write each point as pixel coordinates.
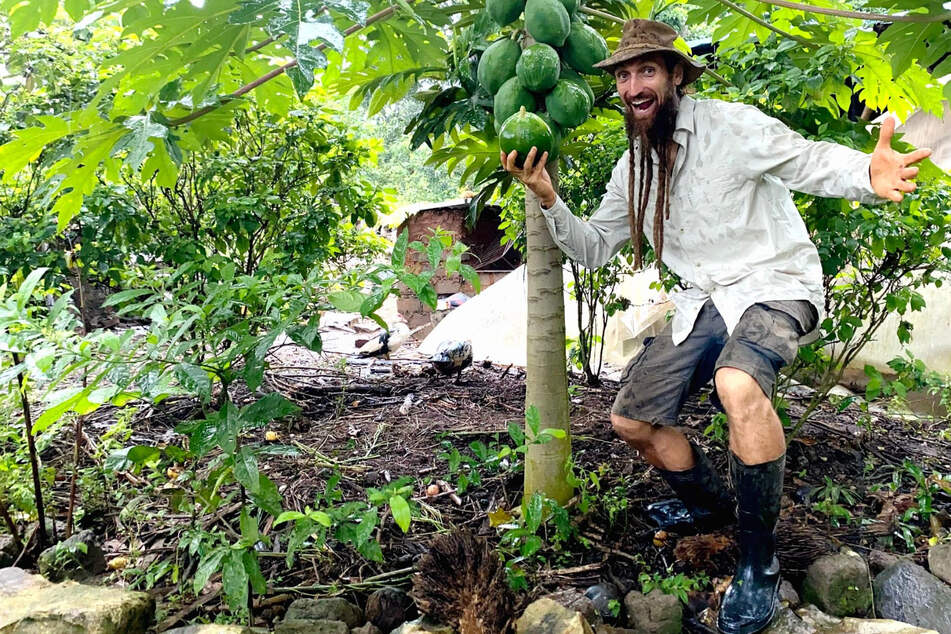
(346, 301)
(246, 470)
(249, 527)
(194, 379)
(267, 498)
(209, 565)
(266, 409)
(398, 259)
(234, 579)
(401, 513)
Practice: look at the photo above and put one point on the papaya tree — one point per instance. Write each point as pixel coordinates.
(183, 68)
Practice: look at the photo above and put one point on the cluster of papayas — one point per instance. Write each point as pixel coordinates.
(534, 74)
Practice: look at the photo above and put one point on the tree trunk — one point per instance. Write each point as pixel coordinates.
(546, 379)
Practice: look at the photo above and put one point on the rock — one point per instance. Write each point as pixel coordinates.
(311, 626)
(839, 584)
(211, 629)
(422, 625)
(388, 607)
(810, 620)
(30, 603)
(333, 609)
(601, 595)
(827, 624)
(369, 628)
(8, 551)
(939, 561)
(574, 599)
(76, 558)
(879, 560)
(608, 629)
(788, 594)
(654, 613)
(787, 622)
(547, 616)
(907, 592)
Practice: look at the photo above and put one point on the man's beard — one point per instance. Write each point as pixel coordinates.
(659, 129)
(656, 133)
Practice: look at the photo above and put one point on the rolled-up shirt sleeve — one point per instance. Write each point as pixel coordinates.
(593, 242)
(812, 167)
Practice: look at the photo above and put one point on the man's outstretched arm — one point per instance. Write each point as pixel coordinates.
(591, 242)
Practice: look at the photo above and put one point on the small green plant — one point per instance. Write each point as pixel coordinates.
(718, 429)
(831, 494)
(676, 584)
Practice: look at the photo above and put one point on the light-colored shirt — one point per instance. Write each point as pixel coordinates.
(734, 234)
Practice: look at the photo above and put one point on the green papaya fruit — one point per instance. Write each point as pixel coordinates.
(547, 21)
(523, 131)
(505, 11)
(571, 6)
(497, 64)
(571, 75)
(556, 135)
(584, 48)
(568, 104)
(510, 98)
(538, 68)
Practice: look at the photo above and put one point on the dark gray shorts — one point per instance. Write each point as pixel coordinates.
(659, 379)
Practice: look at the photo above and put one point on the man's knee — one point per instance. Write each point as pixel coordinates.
(634, 432)
(736, 387)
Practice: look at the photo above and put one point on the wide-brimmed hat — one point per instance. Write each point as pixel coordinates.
(643, 37)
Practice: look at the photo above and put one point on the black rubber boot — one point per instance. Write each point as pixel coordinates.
(703, 504)
(750, 602)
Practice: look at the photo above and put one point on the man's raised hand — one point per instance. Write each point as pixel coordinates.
(890, 171)
(533, 175)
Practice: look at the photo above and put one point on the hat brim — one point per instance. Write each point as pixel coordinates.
(692, 68)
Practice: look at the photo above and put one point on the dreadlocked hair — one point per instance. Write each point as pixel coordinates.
(636, 210)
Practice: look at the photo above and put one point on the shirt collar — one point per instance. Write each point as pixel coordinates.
(684, 120)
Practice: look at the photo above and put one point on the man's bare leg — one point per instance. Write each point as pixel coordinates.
(662, 447)
(757, 461)
(756, 433)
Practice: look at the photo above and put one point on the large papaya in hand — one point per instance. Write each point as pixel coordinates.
(523, 131)
(497, 64)
(584, 48)
(567, 104)
(505, 11)
(538, 68)
(547, 21)
(510, 98)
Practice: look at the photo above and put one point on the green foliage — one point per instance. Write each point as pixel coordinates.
(833, 500)
(678, 585)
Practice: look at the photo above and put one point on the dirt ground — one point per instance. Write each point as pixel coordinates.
(373, 423)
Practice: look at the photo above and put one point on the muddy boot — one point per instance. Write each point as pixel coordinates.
(752, 598)
(703, 502)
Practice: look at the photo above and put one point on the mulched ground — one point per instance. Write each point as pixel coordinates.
(373, 428)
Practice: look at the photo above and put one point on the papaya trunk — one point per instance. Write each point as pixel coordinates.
(546, 380)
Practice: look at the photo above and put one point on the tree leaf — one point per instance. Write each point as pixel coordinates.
(209, 565)
(246, 470)
(401, 513)
(266, 409)
(194, 379)
(234, 579)
(267, 497)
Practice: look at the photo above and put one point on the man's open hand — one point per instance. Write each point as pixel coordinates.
(533, 175)
(890, 171)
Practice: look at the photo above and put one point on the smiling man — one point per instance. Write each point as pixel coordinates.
(708, 183)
